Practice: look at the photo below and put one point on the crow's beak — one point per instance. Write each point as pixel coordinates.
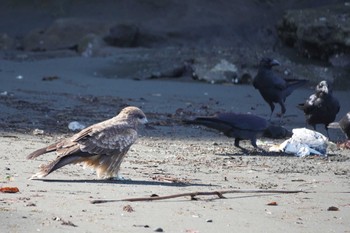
(274, 63)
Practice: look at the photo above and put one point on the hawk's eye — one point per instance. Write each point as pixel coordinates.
(139, 116)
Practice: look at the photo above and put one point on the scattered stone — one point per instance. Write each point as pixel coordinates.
(50, 78)
(145, 226)
(75, 126)
(38, 132)
(333, 208)
(209, 220)
(272, 203)
(158, 229)
(128, 208)
(31, 204)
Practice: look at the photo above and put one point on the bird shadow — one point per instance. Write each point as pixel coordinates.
(128, 182)
(249, 153)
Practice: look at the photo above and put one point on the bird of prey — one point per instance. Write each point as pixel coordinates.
(273, 88)
(234, 125)
(343, 124)
(101, 146)
(321, 107)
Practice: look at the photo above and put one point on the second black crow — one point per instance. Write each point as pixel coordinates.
(343, 124)
(321, 107)
(234, 125)
(273, 88)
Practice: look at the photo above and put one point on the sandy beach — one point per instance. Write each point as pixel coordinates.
(169, 158)
(54, 71)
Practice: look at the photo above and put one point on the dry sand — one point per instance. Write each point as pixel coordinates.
(168, 158)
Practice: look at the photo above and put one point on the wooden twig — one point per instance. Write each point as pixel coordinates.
(194, 194)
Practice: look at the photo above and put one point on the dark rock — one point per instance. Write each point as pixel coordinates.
(130, 35)
(158, 229)
(317, 32)
(123, 35)
(63, 33)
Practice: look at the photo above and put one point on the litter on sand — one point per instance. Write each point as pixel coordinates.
(304, 142)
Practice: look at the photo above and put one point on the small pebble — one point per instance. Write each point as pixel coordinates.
(75, 125)
(158, 229)
(209, 220)
(333, 208)
(38, 132)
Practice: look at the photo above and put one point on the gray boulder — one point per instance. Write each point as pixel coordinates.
(221, 72)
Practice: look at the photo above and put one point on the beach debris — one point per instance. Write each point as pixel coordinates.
(75, 126)
(145, 226)
(63, 222)
(304, 142)
(273, 203)
(333, 208)
(194, 194)
(128, 208)
(38, 132)
(9, 190)
(170, 179)
(209, 220)
(191, 231)
(50, 78)
(19, 77)
(344, 145)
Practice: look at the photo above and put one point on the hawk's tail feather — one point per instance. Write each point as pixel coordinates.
(42, 151)
(56, 164)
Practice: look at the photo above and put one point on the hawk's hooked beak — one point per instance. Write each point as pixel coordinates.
(143, 120)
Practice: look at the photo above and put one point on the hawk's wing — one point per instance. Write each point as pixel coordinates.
(106, 139)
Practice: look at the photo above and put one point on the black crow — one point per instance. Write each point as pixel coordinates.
(235, 125)
(321, 107)
(273, 88)
(343, 124)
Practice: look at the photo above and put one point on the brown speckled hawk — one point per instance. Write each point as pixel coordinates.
(101, 146)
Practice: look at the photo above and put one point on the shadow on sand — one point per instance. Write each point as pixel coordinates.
(128, 182)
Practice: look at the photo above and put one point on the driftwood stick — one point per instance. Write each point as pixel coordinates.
(194, 194)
